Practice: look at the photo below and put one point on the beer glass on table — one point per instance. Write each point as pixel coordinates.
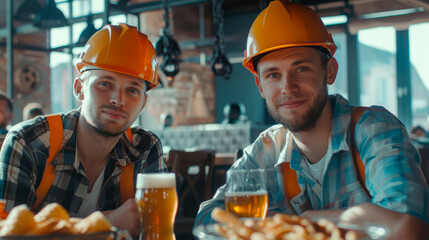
(246, 193)
(157, 201)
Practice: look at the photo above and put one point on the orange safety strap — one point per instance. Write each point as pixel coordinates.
(356, 114)
(126, 183)
(290, 180)
(55, 140)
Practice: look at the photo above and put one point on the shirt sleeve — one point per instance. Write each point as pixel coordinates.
(151, 147)
(392, 164)
(17, 171)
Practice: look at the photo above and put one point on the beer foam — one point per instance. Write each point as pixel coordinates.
(156, 180)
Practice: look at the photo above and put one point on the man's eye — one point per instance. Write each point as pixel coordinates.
(105, 84)
(302, 69)
(134, 90)
(273, 75)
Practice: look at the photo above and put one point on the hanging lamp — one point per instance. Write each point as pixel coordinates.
(168, 48)
(50, 17)
(87, 32)
(27, 11)
(220, 64)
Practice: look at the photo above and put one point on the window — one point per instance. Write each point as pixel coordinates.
(377, 67)
(340, 84)
(419, 50)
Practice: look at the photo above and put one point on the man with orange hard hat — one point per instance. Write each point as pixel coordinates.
(325, 158)
(88, 159)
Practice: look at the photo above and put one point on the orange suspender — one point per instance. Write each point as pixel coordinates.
(356, 114)
(290, 180)
(55, 141)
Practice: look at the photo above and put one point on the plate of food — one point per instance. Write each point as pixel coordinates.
(53, 222)
(282, 226)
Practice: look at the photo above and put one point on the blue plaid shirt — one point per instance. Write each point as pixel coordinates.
(394, 179)
(26, 148)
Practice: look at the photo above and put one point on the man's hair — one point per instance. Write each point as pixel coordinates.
(417, 128)
(4, 97)
(324, 55)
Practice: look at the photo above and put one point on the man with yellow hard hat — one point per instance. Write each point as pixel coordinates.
(325, 158)
(88, 159)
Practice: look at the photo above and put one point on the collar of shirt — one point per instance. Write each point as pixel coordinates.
(123, 151)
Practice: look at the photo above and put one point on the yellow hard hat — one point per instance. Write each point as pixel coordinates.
(285, 24)
(121, 48)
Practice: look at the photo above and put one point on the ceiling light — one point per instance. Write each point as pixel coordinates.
(50, 16)
(27, 11)
(391, 13)
(87, 32)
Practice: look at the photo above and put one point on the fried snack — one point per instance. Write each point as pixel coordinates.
(19, 221)
(96, 222)
(52, 211)
(279, 227)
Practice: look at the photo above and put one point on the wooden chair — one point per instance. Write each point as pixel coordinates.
(194, 176)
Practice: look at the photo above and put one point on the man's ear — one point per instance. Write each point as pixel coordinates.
(258, 83)
(77, 89)
(332, 71)
(144, 103)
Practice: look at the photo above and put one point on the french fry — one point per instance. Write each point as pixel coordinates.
(279, 227)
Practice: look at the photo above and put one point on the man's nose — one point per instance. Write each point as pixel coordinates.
(117, 98)
(288, 84)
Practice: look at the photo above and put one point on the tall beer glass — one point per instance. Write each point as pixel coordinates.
(246, 193)
(157, 201)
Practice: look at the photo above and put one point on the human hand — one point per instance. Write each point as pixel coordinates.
(126, 217)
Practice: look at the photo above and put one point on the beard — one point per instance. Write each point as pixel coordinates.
(104, 129)
(309, 119)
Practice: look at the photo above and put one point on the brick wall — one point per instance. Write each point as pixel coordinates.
(31, 74)
(190, 98)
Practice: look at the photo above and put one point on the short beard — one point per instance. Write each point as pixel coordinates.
(103, 132)
(310, 118)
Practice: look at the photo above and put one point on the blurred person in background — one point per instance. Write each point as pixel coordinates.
(6, 112)
(99, 155)
(234, 113)
(31, 111)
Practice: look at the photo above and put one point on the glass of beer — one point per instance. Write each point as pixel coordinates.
(246, 193)
(157, 201)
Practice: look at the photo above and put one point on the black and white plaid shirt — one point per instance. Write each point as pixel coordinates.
(26, 149)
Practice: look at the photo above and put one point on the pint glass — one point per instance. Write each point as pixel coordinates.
(157, 201)
(246, 194)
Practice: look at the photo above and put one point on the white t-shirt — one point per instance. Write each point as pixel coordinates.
(89, 204)
(318, 169)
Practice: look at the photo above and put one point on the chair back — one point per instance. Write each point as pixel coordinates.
(194, 175)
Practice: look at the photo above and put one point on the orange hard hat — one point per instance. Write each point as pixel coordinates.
(121, 48)
(285, 24)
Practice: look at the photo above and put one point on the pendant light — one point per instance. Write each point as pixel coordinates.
(168, 48)
(27, 11)
(220, 64)
(50, 17)
(87, 32)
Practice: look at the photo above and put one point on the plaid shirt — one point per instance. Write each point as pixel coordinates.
(26, 149)
(392, 167)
